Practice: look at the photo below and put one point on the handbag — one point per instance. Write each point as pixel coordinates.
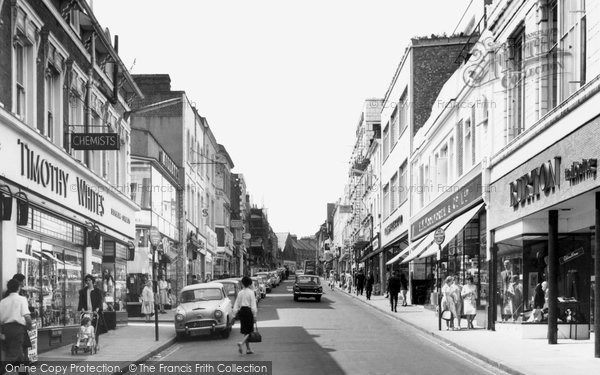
(446, 315)
(255, 335)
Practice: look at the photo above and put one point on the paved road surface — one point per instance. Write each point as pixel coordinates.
(339, 335)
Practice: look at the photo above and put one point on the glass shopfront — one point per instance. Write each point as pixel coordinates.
(522, 271)
(50, 255)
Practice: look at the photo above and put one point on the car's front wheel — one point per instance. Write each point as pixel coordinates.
(296, 298)
(181, 336)
(318, 298)
(225, 333)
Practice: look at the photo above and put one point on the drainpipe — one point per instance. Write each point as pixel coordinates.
(88, 95)
(115, 97)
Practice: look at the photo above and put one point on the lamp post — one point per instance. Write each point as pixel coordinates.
(439, 237)
(155, 238)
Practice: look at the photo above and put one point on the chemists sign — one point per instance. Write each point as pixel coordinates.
(95, 141)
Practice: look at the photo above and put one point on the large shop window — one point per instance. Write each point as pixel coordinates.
(53, 275)
(50, 255)
(522, 268)
(464, 257)
(113, 279)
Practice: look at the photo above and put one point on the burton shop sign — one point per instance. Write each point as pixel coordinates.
(529, 187)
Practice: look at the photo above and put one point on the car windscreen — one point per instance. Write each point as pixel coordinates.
(307, 280)
(197, 295)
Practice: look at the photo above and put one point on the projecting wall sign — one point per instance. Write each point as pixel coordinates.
(95, 141)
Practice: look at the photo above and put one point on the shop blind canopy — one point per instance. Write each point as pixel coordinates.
(419, 248)
(452, 230)
(398, 256)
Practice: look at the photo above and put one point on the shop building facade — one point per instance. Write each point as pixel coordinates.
(66, 212)
(155, 189)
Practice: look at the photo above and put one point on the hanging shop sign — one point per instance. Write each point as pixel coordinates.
(457, 202)
(529, 187)
(95, 141)
(169, 165)
(579, 171)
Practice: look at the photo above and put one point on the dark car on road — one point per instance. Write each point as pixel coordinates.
(308, 286)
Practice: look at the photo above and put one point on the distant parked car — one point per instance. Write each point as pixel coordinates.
(203, 309)
(308, 286)
(232, 287)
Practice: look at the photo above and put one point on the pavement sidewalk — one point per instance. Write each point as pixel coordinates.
(501, 350)
(128, 344)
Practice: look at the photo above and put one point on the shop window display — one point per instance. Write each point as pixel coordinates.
(523, 274)
(52, 279)
(464, 257)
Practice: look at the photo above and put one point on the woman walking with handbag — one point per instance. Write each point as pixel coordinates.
(245, 309)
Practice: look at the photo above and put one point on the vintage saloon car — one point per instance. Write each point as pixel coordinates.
(203, 309)
(308, 286)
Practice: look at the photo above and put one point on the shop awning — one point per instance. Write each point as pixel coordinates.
(419, 248)
(452, 230)
(399, 255)
(371, 254)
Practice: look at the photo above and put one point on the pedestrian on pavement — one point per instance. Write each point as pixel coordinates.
(469, 296)
(385, 283)
(21, 279)
(90, 300)
(194, 279)
(245, 309)
(163, 296)
(369, 285)
(457, 290)
(393, 290)
(147, 300)
(349, 282)
(449, 301)
(360, 282)
(403, 288)
(15, 320)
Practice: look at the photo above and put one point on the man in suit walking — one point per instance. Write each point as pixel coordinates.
(394, 286)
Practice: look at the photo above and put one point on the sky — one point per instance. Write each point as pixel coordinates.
(281, 83)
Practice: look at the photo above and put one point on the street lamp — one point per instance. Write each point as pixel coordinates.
(155, 238)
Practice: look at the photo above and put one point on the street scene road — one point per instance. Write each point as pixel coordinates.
(338, 335)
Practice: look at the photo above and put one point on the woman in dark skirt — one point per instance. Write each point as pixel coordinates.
(245, 309)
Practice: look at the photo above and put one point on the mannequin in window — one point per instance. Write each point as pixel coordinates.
(506, 277)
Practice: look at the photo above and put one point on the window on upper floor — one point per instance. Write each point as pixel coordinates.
(394, 192)
(75, 121)
(553, 54)
(403, 183)
(442, 167)
(394, 128)
(403, 116)
(386, 145)
(459, 149)
(468, 144)
(421, 186)
(386, 201)
(451, 160)
(516, 84)
(24, 86)
(572, 33)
